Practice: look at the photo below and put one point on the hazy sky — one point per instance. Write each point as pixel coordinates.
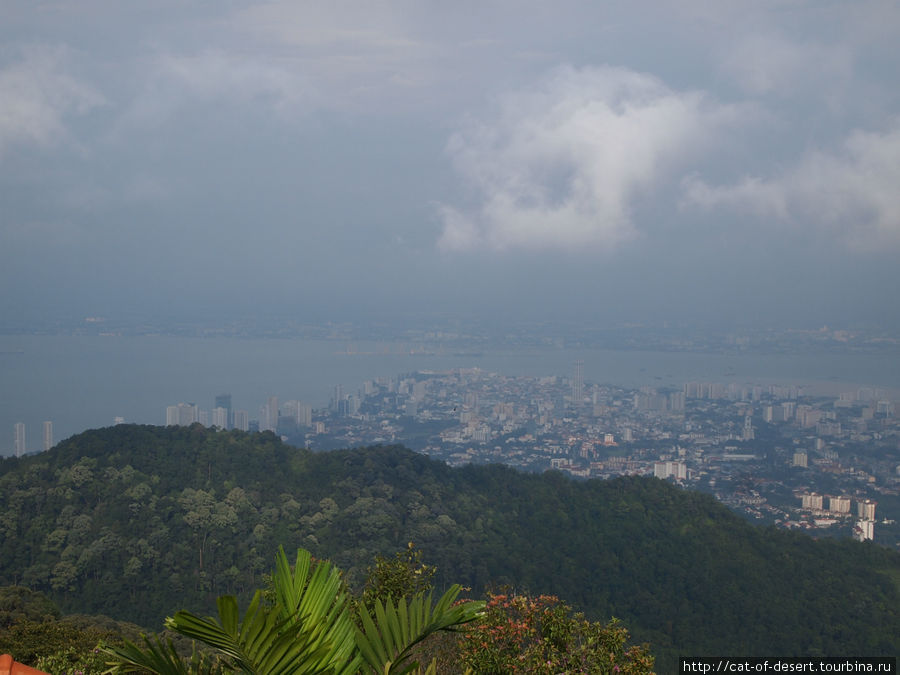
(614, 160)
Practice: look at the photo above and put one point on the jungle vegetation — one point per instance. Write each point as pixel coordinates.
(137, 521)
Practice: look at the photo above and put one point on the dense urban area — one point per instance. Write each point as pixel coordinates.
(778, 454)
(823, 464)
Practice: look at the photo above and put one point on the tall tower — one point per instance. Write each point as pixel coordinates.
(183, 414)
(748, 434)
(20, 439)
(220, 417)
(48, 435)
(271, 415)
(224, 401)
(188, 413)
(578, 384)
(338, 397)
(304, 414)
(241, 420)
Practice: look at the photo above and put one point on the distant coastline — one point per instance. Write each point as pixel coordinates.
(85, 381)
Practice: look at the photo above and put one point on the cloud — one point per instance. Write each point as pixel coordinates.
(354, 53)
(213, 75)
(772, 64)
(36, 97)
(850, 193)
(561, 165)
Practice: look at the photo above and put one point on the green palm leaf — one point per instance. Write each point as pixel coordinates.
(307, 630)
(263, 642)
(318, 603)
(386, 640)
(157, 657)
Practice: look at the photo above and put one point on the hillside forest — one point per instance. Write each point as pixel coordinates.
(136, 522)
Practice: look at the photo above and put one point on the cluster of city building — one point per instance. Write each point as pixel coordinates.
(772, 452)
(829, 510)
(756, 448)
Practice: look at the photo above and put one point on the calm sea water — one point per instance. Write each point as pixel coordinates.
(84, 382)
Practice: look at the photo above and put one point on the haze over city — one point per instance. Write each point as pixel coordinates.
(580, 309)
(718, 162)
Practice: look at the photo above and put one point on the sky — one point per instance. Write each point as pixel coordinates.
(700, 161)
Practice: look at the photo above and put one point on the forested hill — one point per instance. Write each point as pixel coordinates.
(138, 521)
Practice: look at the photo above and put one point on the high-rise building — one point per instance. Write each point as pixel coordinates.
(578, 384)
(20, 439)
(304, 414)
(48, 435)
(300, 411)
(220, 417)
(268, 415)
(812, 501)
(188, 413)
(866, 509)
(183, 414)
(839, 504)
(676, 470)
(353, 403)
(224, 401)
(241, 420)
(338, 397)
(864, 530)
(748, 433)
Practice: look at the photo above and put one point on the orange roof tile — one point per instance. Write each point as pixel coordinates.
(10, 667)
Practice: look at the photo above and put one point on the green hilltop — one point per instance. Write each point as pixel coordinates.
(136, 522)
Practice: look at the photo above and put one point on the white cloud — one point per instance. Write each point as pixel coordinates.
(36, 97)
(561, 165)
(851, 193)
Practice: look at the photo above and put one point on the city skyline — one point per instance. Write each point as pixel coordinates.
(84, 382)
(772, 452)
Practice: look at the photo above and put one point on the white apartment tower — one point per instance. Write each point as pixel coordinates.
(20, 439)
(220, 417)
(268, 419)
(864, 530)
(241, 420)
(812, 501)
(183, 414)
(866, 509)
(578, 384)
(748, 434)
(839, 504)
(676, 470)
(48, 435)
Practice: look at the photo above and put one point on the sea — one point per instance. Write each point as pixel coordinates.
(83, 382)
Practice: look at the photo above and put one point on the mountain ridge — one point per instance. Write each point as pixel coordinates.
(138, 521)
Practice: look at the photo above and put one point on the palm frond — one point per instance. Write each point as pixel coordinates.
(157, 657)
(386, 640)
